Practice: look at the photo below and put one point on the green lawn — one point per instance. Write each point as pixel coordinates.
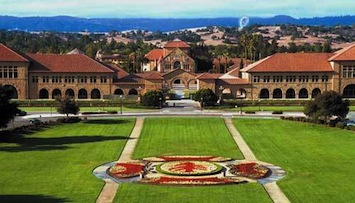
(84, 109)
(188, 136)
(274, 108)
(319, 160)
(55, 165)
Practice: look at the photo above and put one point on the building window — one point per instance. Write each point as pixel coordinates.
(325, 78)
(187, 66)
(256, 78)
(69, 79)
(45, 79)
(34, 79)
(290, 78)
(15, 72)
(93, 79)
(6, 72)
(11, 73)
(349, 72)
(304, 78)
(266, 78)
(167, 66)
(82, 79)
(315, 78)
(56, 79)
(277, 78)
(103, 79)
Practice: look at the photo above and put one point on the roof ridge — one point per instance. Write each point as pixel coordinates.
(15, 52)
(342, 51)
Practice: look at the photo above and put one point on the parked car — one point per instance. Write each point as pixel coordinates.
(36, 121)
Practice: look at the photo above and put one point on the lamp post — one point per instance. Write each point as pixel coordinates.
(201, 103)
(139, 93)
(221, 88)
(160, 102)
(121, 104)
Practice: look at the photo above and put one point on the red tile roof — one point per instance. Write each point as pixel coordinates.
(155, 54)
(292, 62)
(177, 43)
(9, 55)
(208, 76)
(119, 71)
(346, 54)
(153, 75)
(75, 63)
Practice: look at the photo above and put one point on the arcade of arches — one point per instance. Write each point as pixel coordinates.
(301, 94)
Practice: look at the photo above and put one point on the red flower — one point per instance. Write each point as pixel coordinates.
(187, 167)
(190, 181)
(125, 170)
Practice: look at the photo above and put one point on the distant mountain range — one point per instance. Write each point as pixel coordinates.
(74, 24)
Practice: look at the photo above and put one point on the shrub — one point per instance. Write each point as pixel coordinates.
(207, 96)
(249, 112)
(152, 98)
(340, 125)
(69, 120)
(277, 112)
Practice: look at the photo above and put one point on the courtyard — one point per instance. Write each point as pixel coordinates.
(56, 163)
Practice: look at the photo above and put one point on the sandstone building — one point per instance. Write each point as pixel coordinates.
(280, 76)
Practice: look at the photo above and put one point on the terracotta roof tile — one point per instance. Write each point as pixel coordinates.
(346, 54)
(208, 76)
(155, 54)
(9, 55)
(177, 43)
(153, 75)
(75, 63)
(292, 62)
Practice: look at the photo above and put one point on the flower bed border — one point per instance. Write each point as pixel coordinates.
(217, 170)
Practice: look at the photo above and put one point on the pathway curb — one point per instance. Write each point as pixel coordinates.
(273, 190)
(109, 190)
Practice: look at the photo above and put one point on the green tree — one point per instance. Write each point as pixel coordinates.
(152, 98)
(327, 105)
(206, 97)
(8, 109)
(67, 105)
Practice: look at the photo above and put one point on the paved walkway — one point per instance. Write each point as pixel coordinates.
(108, 192)
(272, 189)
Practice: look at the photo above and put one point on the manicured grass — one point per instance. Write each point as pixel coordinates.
(83, 109)
(319, 160)
(186, 136)
(55, 164)
(137, 193)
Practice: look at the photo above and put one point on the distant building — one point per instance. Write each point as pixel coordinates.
(280, 76)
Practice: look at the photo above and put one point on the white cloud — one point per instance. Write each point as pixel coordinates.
(176, 8)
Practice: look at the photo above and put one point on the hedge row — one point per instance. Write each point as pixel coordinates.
(337, 124)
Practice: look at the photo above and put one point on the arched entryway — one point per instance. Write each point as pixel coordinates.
(83, 94)
(118, 92)
(316, 92)
(70, 93)
(95, 94)
(56, 93)
(290, 94)
(303, 94)
(349, 91)
(43, 94)
(178, 87)
(177, 65)
(241, 93)
(277, 94)
(264, 94)
(133, 92)
(13, 90)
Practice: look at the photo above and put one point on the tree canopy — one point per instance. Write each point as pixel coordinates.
(67, 105)
(8, 109)
(152, 98)
(206, 96)
(327, 105)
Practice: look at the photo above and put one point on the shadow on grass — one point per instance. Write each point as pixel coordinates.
(45, 144)
(31, 199)
(106, 121)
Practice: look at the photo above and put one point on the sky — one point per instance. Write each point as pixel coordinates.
(177, 8)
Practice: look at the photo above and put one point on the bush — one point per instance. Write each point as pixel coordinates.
(69, 120)
(207, 96)
(340, 125)
(277, 112)
(152, 98)
(249, 112)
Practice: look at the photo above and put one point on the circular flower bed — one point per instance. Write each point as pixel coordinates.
(125, 170)
(189, 168)
(249, 170)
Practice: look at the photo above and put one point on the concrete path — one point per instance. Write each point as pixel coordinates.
(109, 191)
(272, 189)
